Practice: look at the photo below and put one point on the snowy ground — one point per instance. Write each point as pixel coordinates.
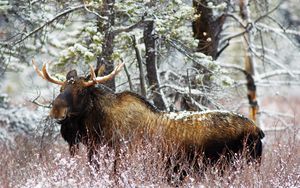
(28, 165)
(33, 154)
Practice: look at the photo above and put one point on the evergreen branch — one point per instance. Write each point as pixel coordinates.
(129, 28)
(64, 13)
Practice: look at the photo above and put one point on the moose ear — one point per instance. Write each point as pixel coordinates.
(71, 75)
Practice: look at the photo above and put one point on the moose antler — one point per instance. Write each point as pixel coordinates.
(44, 74)
(94, 80)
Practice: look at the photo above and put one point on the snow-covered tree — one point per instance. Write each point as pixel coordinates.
(178, 65)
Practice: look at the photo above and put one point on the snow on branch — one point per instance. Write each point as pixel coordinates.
(169, 74)
(272, 61)
(232, 66)
(64, 13)
(226, 41)
(129, 28)
(183, 90)
(268, 83)
(280, 32)
(95, 13)
(192, 92)
(278, 73)
(250, 25)
(236, 18)
(269, 12)
(286, 31)
(281, 117)
(184, 50)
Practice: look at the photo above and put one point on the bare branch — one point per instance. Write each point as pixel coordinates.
(236, 18)
(265, 49)
(168, 73)
(192, 92)
(35, 101)
(140, 65)
(285, 31)
(229, 38)
(268, 13)
(64, 13)
(271, 61)
(183, 90)
(93, 12)
(249, 27)
(199, 106)
(279, 116)
(129, 28)
(128, 77)
(185, 52)
(280, 32)
(268, 83)
(232, 66)
(265, 75)
(279, 73)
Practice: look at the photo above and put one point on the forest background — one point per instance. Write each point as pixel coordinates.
(236, 55)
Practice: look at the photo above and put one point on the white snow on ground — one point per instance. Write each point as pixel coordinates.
(18, 120)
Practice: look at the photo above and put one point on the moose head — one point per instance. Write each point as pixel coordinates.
(73, 90)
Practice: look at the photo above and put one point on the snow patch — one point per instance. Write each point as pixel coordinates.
(202, 114)
(18, 120)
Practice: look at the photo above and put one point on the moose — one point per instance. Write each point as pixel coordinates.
(93, 115)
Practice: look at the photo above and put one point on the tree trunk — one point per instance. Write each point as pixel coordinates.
(107, 46)
(151, 65)
(249, 61)
(207, 29)
(140, 64)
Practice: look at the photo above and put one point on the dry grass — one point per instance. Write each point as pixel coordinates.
(26, 165)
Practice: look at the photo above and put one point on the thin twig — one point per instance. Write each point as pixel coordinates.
(268, 83)
(279, 73)
(268, 13)
(228, 39)
(128, 78)
(129, 28)
(140, 65)
(232, 66)
(64, 13)
(35, 101)
(236, 18)
(95, 13)
(182, 50)
(274, 62)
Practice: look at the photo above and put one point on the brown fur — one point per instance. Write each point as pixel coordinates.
(95, 116)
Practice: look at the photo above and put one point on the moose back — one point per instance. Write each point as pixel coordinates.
(95, 116)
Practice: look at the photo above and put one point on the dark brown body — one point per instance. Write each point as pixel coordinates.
(108, 118)
(95, 116)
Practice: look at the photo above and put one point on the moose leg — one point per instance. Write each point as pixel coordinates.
(175, 172)
(73, 149)
(92, 157)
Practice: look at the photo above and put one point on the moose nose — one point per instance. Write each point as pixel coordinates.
(58, 113)
(59, 108)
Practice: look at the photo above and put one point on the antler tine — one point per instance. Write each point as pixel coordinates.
(93, 75)
(37, 69)
(49, 78)
(106, 78)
